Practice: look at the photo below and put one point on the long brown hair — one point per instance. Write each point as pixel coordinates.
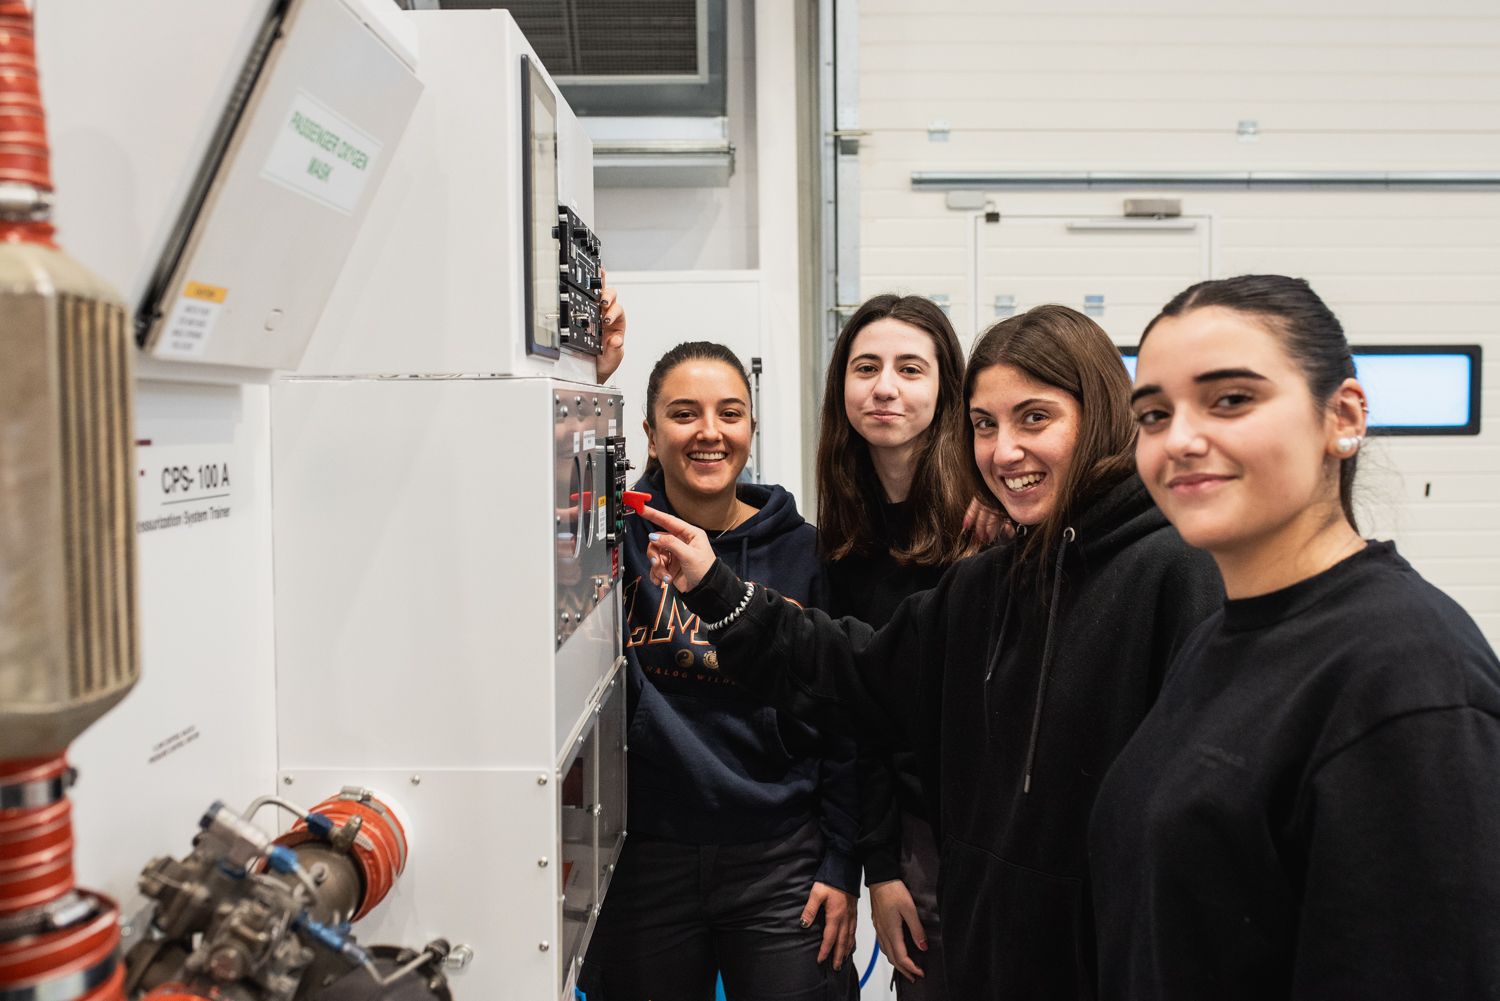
(850, 496)
(1065, 349)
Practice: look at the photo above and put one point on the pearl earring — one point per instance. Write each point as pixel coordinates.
(1349, 444)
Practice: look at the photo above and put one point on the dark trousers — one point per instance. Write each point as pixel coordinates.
(919, 871)
(676, 915)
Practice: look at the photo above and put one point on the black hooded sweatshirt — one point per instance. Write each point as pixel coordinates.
(988, 674)
(709, 762)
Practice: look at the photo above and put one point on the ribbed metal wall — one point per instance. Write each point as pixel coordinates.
(606, 37)
(98, 494)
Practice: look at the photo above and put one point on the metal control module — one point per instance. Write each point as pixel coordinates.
(580, 280)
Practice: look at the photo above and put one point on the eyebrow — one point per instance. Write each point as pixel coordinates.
(1033, 401)
(1217, 375)
(899, 358)
(684, 401)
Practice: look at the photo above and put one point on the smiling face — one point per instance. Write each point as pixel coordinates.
(1232, 445)
(1025, 432)
(703, 428)
(891, 384)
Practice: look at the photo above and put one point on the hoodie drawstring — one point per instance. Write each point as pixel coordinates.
(997, 642)
(1041, 683)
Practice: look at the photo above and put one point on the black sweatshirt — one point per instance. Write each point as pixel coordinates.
(869, 587)
(959, 666)
(1312, 809)
(709, 762)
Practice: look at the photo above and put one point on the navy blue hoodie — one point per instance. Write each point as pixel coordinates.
(711, 763)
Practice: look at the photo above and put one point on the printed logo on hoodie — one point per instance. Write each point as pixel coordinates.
(672, 623)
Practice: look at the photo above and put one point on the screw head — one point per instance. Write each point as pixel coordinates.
(286, 780)
(541, 780)
(542, 862)
(416, 780)
(543, 946)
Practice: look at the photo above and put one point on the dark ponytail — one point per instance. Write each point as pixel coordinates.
(1313, 337)
(687, 351)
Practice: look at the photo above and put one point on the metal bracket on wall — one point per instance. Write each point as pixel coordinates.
(838, 57)
(1224, 180)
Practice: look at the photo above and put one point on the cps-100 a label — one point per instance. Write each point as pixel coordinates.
(183, 486)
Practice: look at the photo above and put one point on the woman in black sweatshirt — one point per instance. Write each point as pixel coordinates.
(1019, 677)
(1310, 811)
(742, 819)
(895, 496)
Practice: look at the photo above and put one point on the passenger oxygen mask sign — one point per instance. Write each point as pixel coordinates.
(321, 155)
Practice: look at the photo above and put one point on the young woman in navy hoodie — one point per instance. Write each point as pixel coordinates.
(1310, 811)
(742, 818)
(1022, 673)
(894, 497)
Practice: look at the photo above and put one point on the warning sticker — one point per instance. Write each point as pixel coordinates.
(192, 320)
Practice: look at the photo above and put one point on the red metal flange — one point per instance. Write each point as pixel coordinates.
(24, 156)
(379, 850)
(76, 963)
(36, 833)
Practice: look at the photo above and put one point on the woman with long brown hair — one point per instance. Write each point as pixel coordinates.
(894, 497)
(1020, 676)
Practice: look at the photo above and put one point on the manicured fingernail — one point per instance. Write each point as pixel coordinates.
(806, 923)
(922, 946)
(654, 536)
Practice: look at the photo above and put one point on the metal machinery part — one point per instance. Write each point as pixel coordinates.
(589, 482)
(245, 917)
(580, 282)
(68, 648)
(376, 846)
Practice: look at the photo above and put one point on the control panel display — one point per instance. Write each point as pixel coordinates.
(539, 180)
(1413, 389)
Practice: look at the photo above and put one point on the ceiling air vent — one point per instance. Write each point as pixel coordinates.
(635, 59)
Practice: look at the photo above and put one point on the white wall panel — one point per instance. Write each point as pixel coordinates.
(1332, 85)
(200, 725)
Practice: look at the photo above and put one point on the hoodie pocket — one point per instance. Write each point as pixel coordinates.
(769, 726)
(1011, 931)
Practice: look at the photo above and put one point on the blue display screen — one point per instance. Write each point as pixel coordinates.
(1412, 390)
(1417, 390)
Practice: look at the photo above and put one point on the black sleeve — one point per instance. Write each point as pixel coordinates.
(1402, 886)
(813, 666)
(879, 845)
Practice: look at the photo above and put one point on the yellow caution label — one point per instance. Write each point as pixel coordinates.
(207, 293)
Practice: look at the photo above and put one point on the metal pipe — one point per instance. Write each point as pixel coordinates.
(287, 805)
(1219, 180)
